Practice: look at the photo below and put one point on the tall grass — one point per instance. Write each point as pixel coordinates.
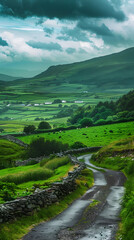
(39, 174)
(57, 162)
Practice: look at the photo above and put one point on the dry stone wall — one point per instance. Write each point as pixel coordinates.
(41, 198)
(71, 151)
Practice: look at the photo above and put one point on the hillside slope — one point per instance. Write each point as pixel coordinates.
(112, 72)
(7, 78)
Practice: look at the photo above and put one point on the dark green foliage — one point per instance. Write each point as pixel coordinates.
(57, 101)
(66, 112)
(40, 147)
(86, 122)
(1, 130)
(44, 125)
(7, 191)
(29, 129)
(106, 112)
(78, 145)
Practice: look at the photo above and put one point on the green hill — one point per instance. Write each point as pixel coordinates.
(108, 73)
(7, 78)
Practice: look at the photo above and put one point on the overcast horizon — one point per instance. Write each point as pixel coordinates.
(36, 34)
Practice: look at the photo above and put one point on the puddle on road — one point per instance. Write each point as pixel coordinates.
(102, 229)
(113, 205)
(99, 233)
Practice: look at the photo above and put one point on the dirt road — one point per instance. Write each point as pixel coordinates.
(84, 221)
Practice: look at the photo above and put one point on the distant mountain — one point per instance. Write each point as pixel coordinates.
(108, 73)
(7, 78)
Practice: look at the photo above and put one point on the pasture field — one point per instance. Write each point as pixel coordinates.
(91, 136)
(14, 115)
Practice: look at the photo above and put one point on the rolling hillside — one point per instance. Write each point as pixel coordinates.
(7, 78)
(109, 73)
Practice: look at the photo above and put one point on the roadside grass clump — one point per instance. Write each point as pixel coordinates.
(34, 175)
(57, 162)
(47, 159)
(120, 156)
(17, 229)
(9, 153)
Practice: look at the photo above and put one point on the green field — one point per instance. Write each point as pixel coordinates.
(14, 115)
(92, 136)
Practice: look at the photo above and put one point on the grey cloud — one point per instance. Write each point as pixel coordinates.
(73, 34)
(45, 46)
(3, 42)
(61, 9)
(48, 31)
(70, 50)
(94, 27)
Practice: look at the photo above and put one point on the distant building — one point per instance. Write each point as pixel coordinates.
(48, 103)
(63, 101)
(36, 104)
(78, 102)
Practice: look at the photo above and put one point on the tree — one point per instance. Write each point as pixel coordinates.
(86, 122)
(57, 101)
(39, 147)
(44, 125)
(29, 129)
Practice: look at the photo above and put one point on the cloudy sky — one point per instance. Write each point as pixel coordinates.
(35, 34)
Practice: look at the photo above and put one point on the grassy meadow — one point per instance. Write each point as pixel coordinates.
(91, 136)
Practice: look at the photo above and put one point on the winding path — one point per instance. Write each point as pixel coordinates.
(79, 220)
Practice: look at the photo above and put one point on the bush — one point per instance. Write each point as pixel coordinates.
(86, 122)
(44, 125)
(29, 129)
(40, 147)
(7, 191)
(78, 145)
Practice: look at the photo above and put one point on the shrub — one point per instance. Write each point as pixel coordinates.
(40, 147)
(7, 191)
(29, 129)
(86, 122)
(77, 145)
(44, 125)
